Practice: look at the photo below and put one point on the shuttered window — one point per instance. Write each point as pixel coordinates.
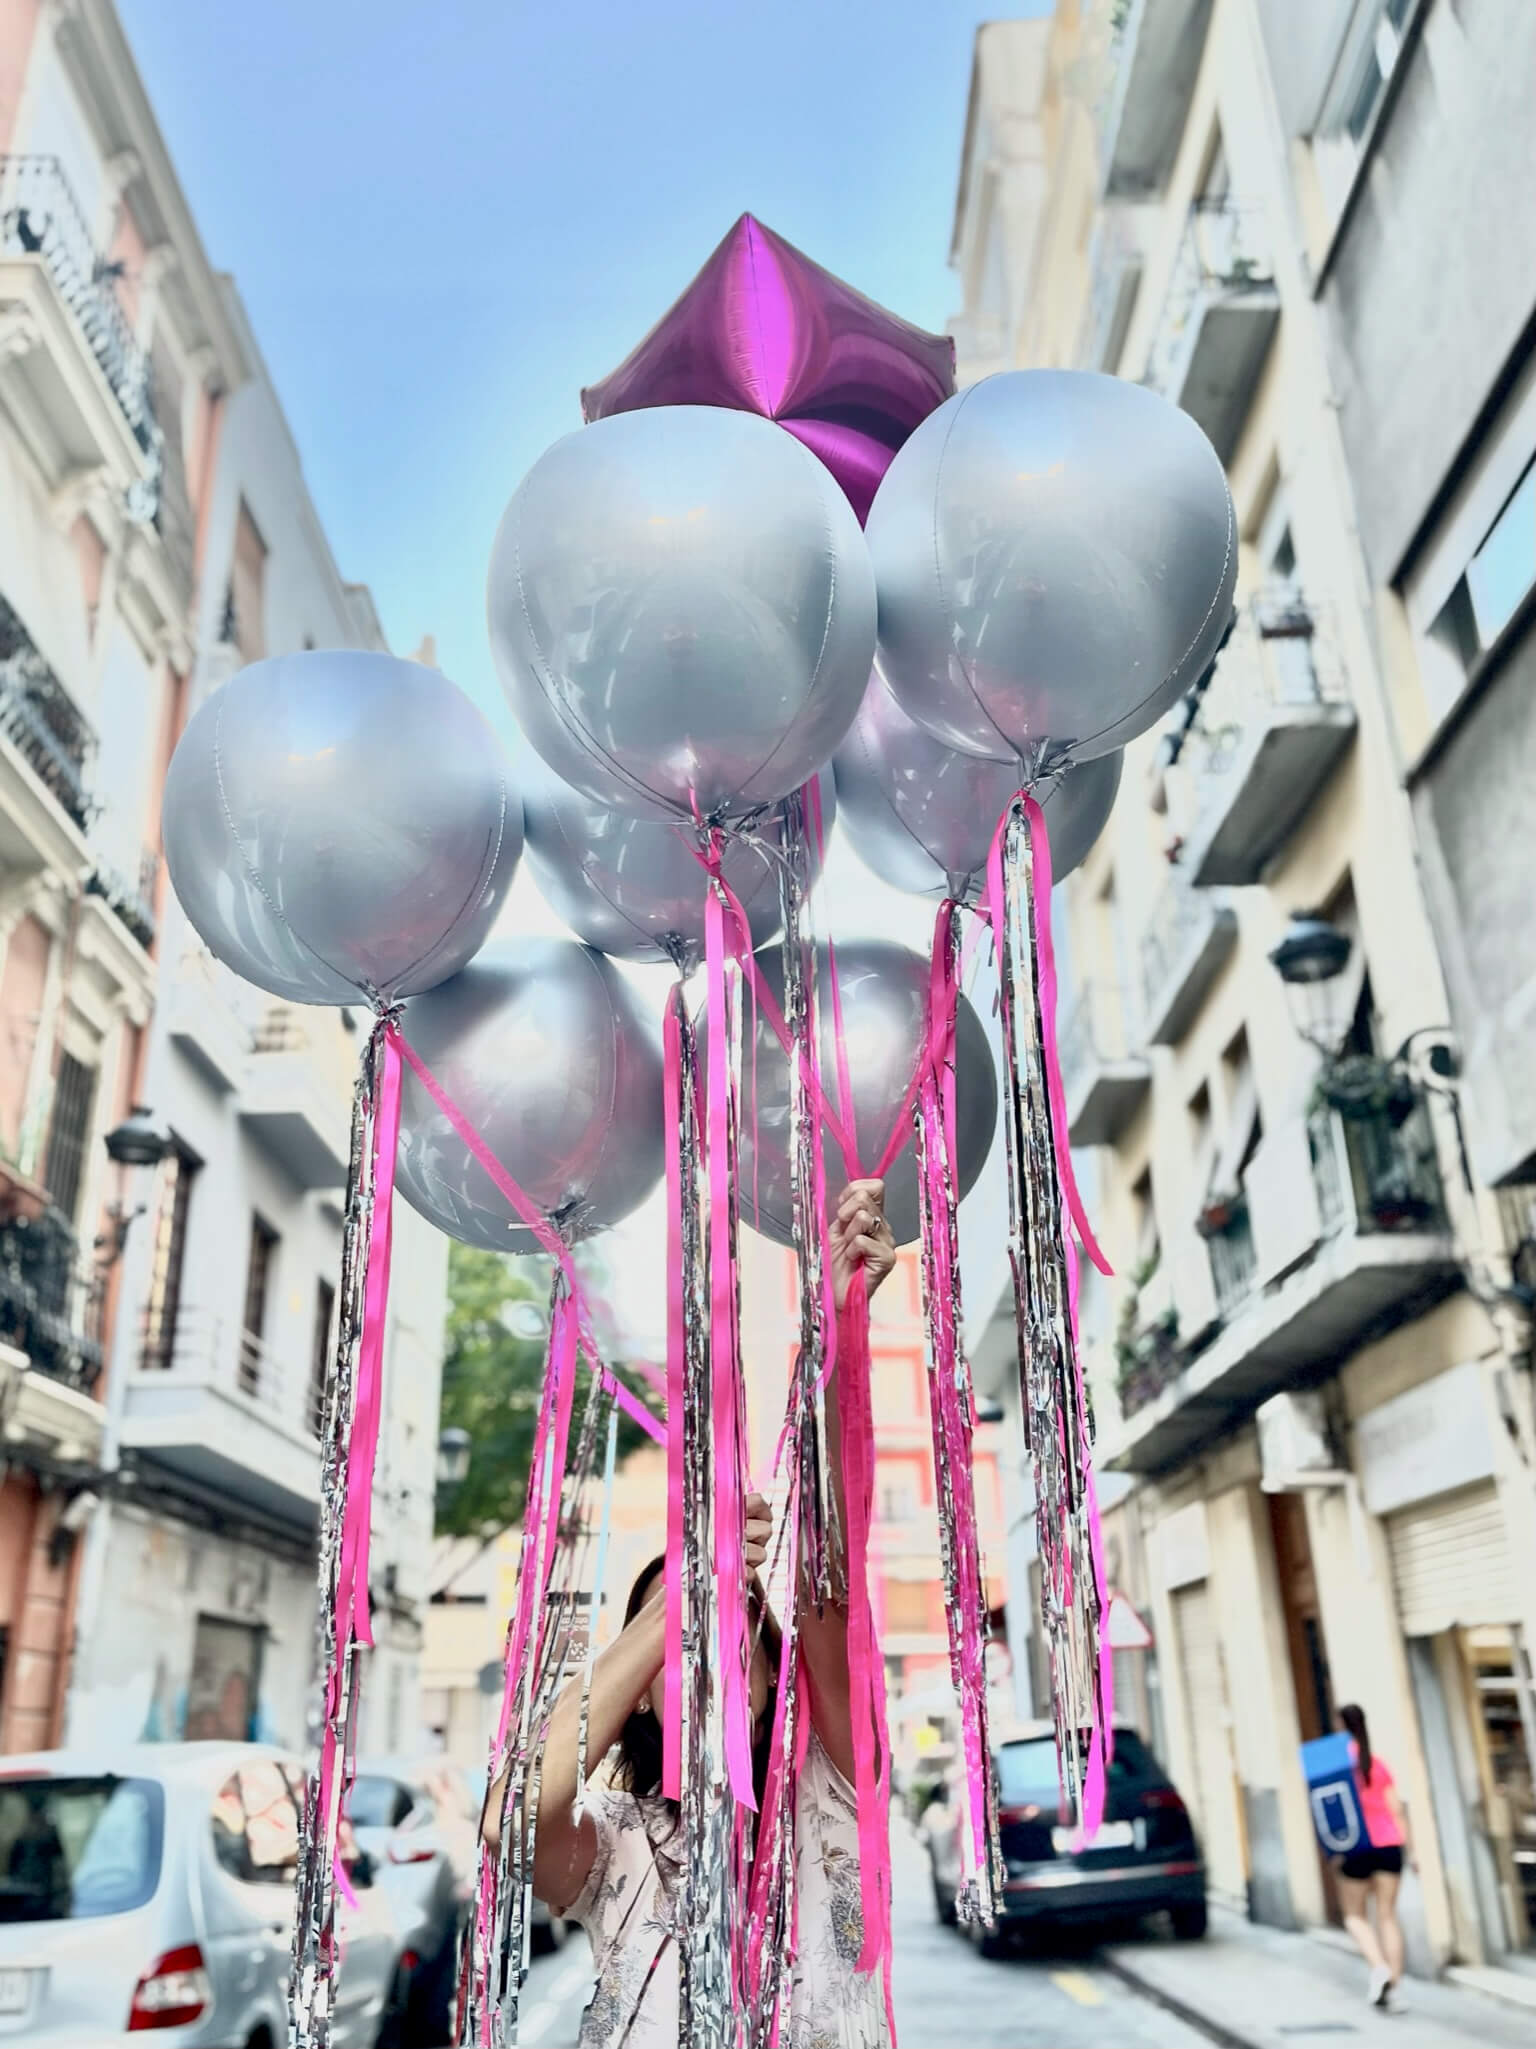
(1451, 1563)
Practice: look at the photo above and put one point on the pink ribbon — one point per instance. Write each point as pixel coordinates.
(677, 1195)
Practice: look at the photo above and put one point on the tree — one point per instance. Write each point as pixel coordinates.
(493, 1378)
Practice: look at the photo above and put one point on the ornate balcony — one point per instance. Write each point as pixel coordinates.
(1345, 1236)
(1187, 943)
(133, 903)
(87, 380)
(1104, 1075)
(1273, 724)
(211, 1402)
(1156, 58)
(1219, 318)
(46, 749)
(50, 1300)
(296, 1095)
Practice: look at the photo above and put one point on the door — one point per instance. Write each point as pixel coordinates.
(225, 1683)
(1210, 1727)
(1310, 1678)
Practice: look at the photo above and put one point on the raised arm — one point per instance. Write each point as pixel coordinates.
(859, 1236)
(563, 1847)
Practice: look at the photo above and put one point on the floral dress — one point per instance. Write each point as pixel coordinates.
(631, 1903)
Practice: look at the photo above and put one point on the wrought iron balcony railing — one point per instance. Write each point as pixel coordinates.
(132, 902)
(39, 216)
(51, 1302)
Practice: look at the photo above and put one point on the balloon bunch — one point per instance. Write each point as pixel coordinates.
(710, 657)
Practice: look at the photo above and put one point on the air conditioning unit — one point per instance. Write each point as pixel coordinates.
(1294, 1440)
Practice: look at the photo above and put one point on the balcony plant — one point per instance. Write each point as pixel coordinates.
(1146, 1353)
(1364, 1088)
(1222, 1212)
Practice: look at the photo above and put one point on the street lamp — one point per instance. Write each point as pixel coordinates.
(453, 1448)
(137, 1142)
(1309, 961)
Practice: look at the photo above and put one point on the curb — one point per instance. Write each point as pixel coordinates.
(1170, 2002)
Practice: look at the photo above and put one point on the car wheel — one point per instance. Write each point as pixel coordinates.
(1189, 1922)
(944, 1904)
(992, 1943)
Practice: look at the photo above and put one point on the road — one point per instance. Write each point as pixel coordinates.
(1055, 1997)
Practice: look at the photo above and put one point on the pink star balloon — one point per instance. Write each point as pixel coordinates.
(764, 330)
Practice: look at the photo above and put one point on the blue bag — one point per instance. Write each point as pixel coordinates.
(1334, 1792)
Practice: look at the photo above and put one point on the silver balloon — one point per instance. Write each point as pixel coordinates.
(633, 887)
(544, 1047)
(341, 826)
(922, 816)
(682, 611)
(884, 991)
(1056, 554)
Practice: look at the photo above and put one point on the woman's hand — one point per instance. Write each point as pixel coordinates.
(860, 1236)
(759, 1533)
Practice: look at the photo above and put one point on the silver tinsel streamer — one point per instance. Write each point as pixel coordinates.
(497, 1943)
(1048, 1366)
(707, 1940)
(333, 1707)
(952, 1410)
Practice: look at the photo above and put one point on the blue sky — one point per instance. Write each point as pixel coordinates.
(446, 218)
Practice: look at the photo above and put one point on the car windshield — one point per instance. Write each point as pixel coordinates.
(1027, 1774)
(78, 1849)
(378, 1803)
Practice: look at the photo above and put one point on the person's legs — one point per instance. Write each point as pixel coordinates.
(1384, 1886)
(1354, 1893)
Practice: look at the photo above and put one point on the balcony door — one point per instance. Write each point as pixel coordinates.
(162, 1313)
(258, 1280)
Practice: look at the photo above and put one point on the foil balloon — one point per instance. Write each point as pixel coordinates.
(634, 887)
(882, 990)
(340, 826)
(682, 612)
(1056, 554)
(545, 1049)
(922, 816)
(764, 330)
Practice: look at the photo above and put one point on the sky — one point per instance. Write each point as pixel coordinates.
(446, 218)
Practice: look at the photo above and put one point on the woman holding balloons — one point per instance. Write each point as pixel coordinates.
(610, 1854)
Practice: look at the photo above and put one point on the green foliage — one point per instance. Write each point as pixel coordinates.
(492, 1381)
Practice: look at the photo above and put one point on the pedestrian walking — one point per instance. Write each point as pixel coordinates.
(1371, 1875)
(615, 1863)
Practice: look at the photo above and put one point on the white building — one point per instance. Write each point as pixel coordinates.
(201, 1615)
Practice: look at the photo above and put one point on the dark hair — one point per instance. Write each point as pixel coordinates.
(639, 1770)
(1353, 1719)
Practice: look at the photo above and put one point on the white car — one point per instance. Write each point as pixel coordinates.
(151, 1890)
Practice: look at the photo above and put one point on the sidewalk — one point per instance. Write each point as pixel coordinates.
(1258, 1988)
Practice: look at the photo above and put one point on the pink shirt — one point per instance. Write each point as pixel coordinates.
(1380, 1823)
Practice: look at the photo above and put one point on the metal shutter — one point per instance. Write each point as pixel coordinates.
(1214, 1794)
(1451, 1562)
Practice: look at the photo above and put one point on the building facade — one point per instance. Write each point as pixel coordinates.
(115, 353)
(1309, 1375)
(164, 1330)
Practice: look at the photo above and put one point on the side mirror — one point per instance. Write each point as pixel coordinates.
(362, 1871)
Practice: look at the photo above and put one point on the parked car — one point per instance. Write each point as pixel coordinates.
(1144, 1860)
(419, 1820)
(152, 1889)
(547, 1932)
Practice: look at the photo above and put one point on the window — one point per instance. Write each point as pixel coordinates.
(247, 589)
(164, 1307)
(320, 1356)
(1496, 581)
(1148, 1244)
(1370, 57)
(379, 1803)
(256, 1821)
(899, 1491)
(1027, 1773)
(77, 1849)
(69, 1129)
(908, 1608)
(258, 1275)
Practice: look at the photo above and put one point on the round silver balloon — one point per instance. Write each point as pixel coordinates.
(884, 992)
(633, 887)
(544, 1047)
(682, 611)
(341, 826)
(922, 816)
(1056, 554)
